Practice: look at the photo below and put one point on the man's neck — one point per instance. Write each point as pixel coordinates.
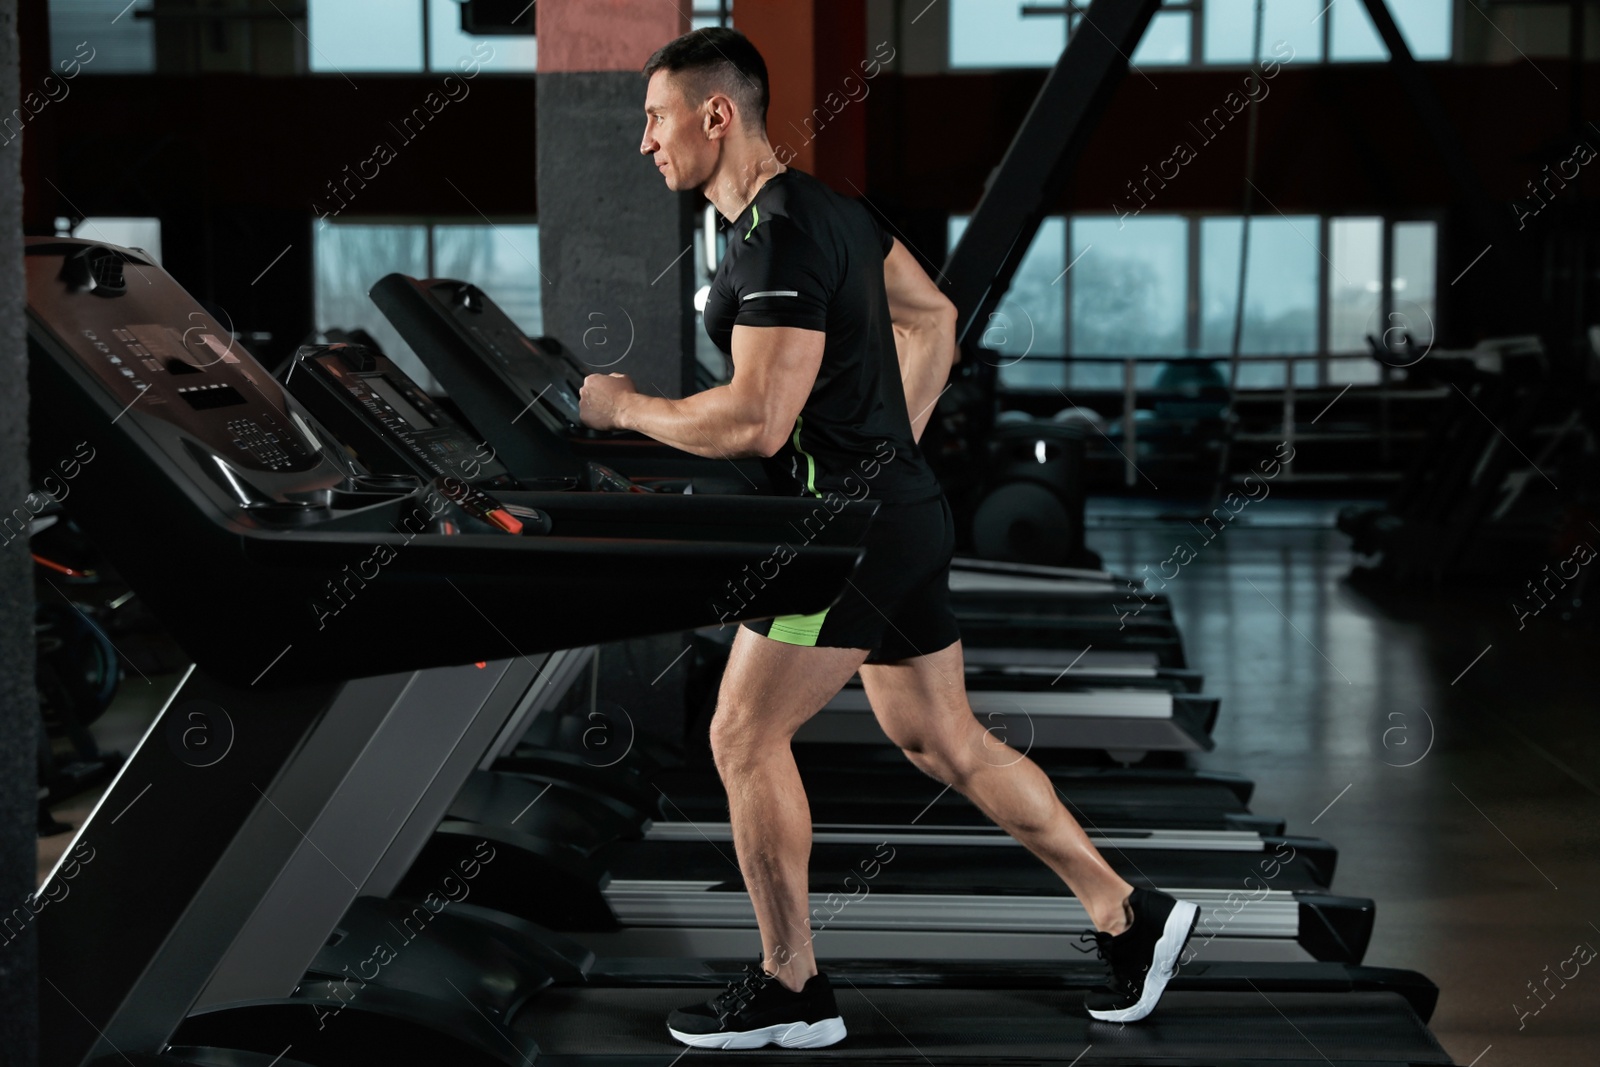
(744, 169)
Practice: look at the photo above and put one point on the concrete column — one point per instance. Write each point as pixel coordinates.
(617, 283)
(19, 714)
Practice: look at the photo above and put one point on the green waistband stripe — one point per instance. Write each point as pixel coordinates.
(797, 629)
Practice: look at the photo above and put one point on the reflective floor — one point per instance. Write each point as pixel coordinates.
(1452, 759)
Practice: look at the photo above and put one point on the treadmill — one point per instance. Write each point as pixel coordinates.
(358, 638)
(303, 778)
(525, 402)
(370, 402)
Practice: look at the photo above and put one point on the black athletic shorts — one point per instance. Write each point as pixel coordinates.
(898, 601)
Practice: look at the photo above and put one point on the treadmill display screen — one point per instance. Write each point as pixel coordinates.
(394, 426)
(391, 396)
(202, 397)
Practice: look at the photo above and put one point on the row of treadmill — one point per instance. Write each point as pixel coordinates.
(369, 825)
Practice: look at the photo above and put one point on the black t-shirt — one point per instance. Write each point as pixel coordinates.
(802, 255)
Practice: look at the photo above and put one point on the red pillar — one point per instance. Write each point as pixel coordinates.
(590, 35)
(820, 71)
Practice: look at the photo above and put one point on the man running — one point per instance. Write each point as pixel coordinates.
(840, 346)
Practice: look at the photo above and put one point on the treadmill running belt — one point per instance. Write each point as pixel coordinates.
(845, 796)
(976, 1026)
(960, 869)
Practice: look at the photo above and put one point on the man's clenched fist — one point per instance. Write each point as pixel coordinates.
(601, 398)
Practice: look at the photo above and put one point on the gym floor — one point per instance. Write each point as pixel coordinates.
(1450, 757)
(1480, 850)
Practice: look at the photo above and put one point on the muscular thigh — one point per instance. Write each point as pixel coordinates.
(776, 686)
(921, 700)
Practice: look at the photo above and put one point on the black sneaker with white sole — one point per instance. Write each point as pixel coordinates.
(1143, 958)
(759, 1010)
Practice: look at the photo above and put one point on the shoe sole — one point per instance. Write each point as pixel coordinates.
(1181, 922)
(785, 1035)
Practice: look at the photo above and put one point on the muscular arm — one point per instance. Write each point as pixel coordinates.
(774, 368)
(924, 333)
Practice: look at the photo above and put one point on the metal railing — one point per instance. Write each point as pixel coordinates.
(1289, 395)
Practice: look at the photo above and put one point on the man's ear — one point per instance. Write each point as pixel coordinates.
(719, 116)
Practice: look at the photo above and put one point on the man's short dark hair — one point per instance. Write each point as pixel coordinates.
(716, 58)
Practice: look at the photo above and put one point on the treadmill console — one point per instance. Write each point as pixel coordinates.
(540, 378)
(172, 372)
(523, 395)
(169, 368)
(393, 425)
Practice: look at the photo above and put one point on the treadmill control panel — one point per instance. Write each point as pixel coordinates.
(523, 393)
(371, 403)
(172, 364)
(544, 381)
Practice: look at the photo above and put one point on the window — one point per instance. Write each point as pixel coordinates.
(1351, 36)
(1168, 40)
(1229, 25)
(1230, 30)
(1032, 33)
(115, 39)
(1281, 288)
(405, 36)
(995, 33)
(708, 13)
(716, 366)
(1031, 319)
(349, 257)
(448, 45)
(374, 35)
(1412, 280)
(128, 232)
(1355, 282)
(1129, 285)
(1280, 285)
(345, 36)
(1426, 25)
(1355, 297)
(1159, 286)
(1362, 310)
(504, 259)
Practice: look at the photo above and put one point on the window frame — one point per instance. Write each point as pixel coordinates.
(1193, 318)
(429, 224)
(1072, 11)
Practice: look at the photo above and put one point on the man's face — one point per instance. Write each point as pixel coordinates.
(674, 135)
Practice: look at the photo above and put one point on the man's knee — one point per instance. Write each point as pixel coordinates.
(942, 757)
(923, 761)
(738, 737)
(727, 736)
